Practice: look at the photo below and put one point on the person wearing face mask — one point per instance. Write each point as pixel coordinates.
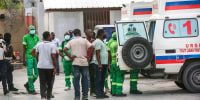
(67, 63)
(29, 42)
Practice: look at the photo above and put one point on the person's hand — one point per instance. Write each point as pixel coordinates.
(89, 58)
(72, 58)
(54, 71)
(109, 66)
(100, 66)
(24, 62)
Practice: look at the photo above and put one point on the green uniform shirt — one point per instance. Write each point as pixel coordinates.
(113, 50)
(109, 42)
(61, 48)
(30, 42)
(99, 45)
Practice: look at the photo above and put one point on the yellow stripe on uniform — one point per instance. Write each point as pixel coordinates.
(106, 79)
(35, 76)
(133, 79)
(119, 84)
(113, 83)
(60, 48)
(114, 54)
(30, 76)
(67, 76)
(24, 43)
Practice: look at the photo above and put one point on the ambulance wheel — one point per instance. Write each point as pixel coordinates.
(137, 53)
(191, 77)
(180, 85)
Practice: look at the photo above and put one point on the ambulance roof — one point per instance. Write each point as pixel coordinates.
(137, 10)
(175, 9)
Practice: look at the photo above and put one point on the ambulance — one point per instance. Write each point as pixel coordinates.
(133, 28)
(175, 40)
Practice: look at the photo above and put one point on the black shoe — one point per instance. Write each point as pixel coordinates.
(6, 92)
(135, 92)
(77, 98)
(32, 92)
(52, 96)
(85, 98)
(100, 97)
(13, 89)
(120, 95)
(105, 96)
(113, 94)
(27, 87)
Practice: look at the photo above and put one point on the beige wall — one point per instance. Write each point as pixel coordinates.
(14, 24)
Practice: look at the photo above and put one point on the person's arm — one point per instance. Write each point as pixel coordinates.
(91, 52)
(33, 52)
(98, 58)
(61, 54)
(67, 53)
(54, 63)
(24, 55)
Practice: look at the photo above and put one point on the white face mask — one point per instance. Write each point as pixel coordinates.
(32, 31)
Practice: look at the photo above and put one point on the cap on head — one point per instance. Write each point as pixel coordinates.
(31, 28)
(1, 40)
(114, 35)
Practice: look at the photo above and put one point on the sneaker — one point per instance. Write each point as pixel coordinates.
(85, 98)
(100, 97)
(43, 98)
(52, 96)
(135, 92)
(13, 89)
(120, 95)
(68, 88)
(26, 86)
(6, 92)
(32, 92)
(107, 90)
(77, 98)
(93, 94)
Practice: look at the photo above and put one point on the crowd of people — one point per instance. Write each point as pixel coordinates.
(87, 59)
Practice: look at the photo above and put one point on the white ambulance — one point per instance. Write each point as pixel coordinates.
(132, 27)
(174, 34)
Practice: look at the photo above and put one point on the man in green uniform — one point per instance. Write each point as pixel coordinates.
(116, 74)
(67, 64)
(133, 81)
(29, 41)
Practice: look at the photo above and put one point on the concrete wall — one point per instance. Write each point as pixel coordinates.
(14, 24)
(115, 15)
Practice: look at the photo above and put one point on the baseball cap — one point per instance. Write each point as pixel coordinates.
(1, 40)
(31, 27)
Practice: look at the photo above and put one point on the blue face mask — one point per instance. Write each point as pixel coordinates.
(67, 37)
(32, 31)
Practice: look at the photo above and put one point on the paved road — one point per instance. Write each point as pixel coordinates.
(153, 89)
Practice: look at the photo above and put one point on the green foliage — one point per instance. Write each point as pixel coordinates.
(10, 4)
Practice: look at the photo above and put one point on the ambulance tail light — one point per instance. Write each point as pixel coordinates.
(153, 63)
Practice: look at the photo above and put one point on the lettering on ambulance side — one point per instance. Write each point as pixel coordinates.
(194, 47)
(180, 5)
(124, 12)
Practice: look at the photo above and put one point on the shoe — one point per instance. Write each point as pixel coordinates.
(85, 98)
(77, 98)
(43, 98)
(26, 86)
(93, 94)
(120, 95)
(13, 89)
(107, 90)
(32, 92)
(67, 89)
(105, 96)
(113, 94)
(52, 96)
(6, 92)
(100, 97)
(135, 92)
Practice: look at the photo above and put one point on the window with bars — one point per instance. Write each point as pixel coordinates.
(95, 17)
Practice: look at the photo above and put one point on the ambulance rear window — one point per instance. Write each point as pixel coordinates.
(180, 28)
(129, 30)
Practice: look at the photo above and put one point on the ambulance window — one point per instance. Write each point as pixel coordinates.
(152, 30)
(181, 28)
(129, 30)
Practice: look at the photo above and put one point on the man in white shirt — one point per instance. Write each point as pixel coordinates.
(46, 56)
(56, 41)
(3, 67)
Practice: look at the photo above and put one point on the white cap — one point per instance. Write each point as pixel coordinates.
(1, 40)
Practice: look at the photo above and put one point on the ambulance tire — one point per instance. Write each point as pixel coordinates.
(191, 77)
(137, 53)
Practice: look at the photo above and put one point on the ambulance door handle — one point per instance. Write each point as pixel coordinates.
(170, 51)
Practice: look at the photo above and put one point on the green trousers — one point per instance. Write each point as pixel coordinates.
(32, 73)
(106, 80)
(68, 70)
(117, 79)
(133, 79)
